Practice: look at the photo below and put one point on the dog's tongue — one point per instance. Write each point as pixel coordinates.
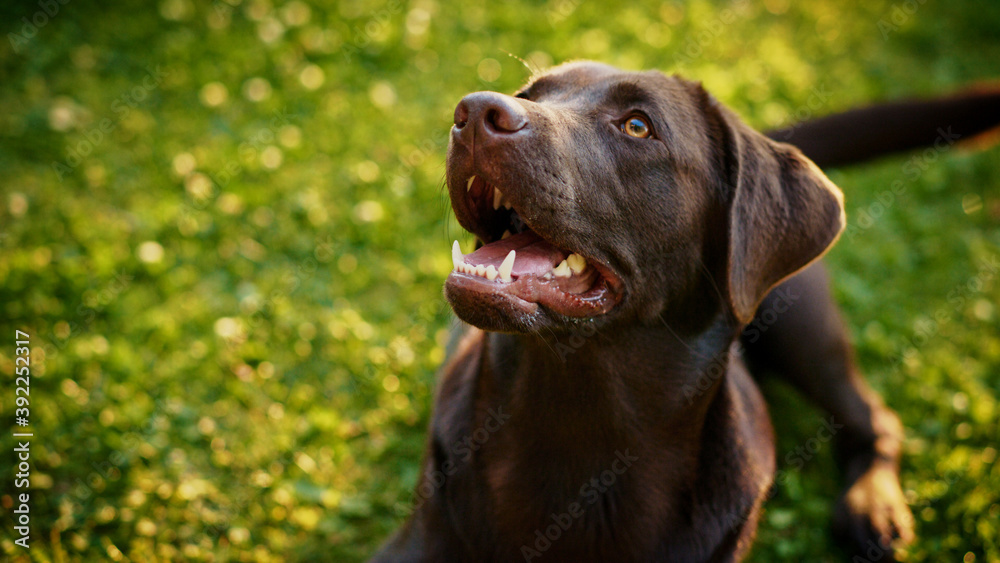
(533, 255)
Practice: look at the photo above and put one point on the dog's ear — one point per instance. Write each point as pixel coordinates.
(783, 213)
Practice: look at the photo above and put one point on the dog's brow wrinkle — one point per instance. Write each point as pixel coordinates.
(537, 83)
(625, 93)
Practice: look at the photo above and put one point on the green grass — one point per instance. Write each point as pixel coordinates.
(236, 315)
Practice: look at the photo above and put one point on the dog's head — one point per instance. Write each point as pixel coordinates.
(618, 196)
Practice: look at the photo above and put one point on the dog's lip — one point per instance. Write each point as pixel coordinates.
(526, 284)
(529, 293)
(592, 292)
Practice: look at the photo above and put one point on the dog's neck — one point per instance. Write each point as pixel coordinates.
(573, 406)
(607, 378)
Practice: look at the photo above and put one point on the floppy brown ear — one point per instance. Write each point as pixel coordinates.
(783, 214)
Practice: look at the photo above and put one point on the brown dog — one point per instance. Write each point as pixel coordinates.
(599, 408)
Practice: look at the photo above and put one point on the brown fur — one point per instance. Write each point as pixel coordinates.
(700, 224)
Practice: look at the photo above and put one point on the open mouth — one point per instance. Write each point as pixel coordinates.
(516, 262)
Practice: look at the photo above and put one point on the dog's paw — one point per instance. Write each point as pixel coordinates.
(872, 515)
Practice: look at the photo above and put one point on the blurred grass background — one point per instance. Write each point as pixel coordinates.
(222, 224)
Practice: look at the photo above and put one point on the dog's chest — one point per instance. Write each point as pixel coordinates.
(554, 500)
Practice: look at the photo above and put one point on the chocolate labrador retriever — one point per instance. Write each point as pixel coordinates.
(601, 406)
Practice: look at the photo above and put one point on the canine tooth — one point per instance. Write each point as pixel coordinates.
(497, 196)
(562, 270)
(507, 266)
(491, 272)
(576, 263)
(505, 235)
(457, 258)
(481, 270)
(468, 185)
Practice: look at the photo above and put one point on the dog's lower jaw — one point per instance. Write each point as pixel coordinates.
(567, 453)
(527, 305)
(497, 312)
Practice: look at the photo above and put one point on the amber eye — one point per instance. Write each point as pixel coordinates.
(636, 127)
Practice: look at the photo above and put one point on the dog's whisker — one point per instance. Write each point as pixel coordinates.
(526, 64)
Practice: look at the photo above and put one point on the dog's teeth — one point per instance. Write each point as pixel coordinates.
(576, 263)
(491, 272)
(481, 271)
(497, 196)
(457, 258)
(507, 267)
(547, 276)
(507, 205)
(562, 270)
(468, 185)
(505, 235)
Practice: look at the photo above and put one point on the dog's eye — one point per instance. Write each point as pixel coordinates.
(636, 126)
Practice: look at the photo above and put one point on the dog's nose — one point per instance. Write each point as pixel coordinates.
(488, 114)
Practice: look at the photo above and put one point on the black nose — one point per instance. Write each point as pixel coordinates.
(487, 115)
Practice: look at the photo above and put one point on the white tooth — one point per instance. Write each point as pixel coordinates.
(507, 205)
(562, 270)
(491, 272)
(497, 196)
(576, 263)
(468, 185)
(547, 276)
(507, 266)
(457, 257)
(481, 270)
(505, 235)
